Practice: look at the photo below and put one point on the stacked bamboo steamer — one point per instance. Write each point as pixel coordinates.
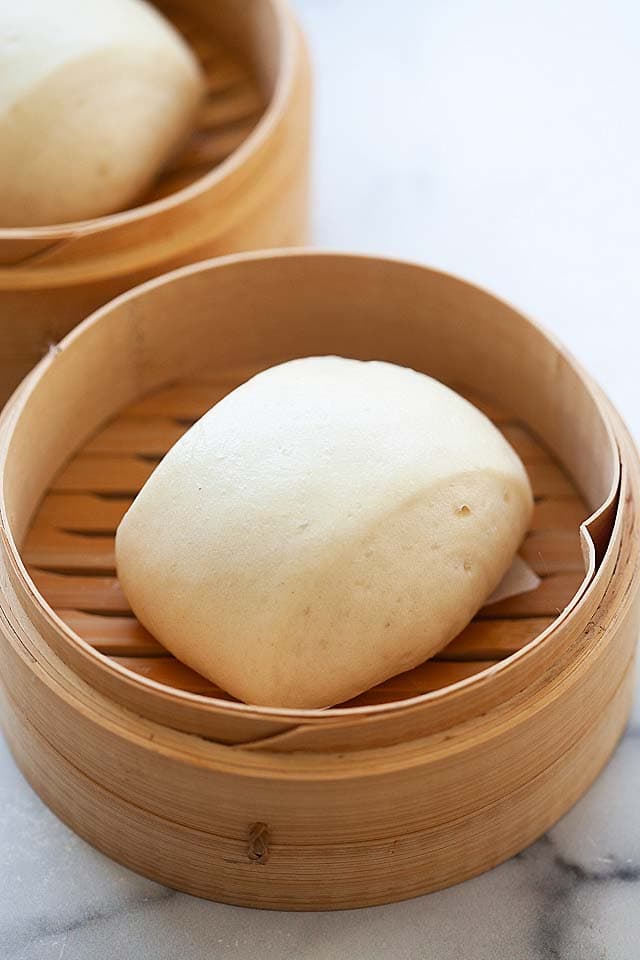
(423, 781)
(240, 183)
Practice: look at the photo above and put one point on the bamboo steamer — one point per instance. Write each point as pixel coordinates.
(422, 782)
(240, 183)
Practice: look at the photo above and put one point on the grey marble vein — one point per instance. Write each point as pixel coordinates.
(562, 885)
(497, 140)
(44, 928)
(553, 900)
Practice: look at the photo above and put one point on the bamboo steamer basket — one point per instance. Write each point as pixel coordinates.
(422, 782)
(240, 183)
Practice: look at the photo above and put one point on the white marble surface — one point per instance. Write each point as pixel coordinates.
(499, 140)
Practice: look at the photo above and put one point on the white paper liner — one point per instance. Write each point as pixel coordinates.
(519, 578)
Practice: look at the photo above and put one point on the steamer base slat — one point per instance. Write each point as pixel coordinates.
(70, 547)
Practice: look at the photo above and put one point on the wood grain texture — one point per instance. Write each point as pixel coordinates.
(239, 182)
(140, 407)
(321, 873)
(407, 844)
(361, 804)
(114, 636)
(232, 107)
(70, 548)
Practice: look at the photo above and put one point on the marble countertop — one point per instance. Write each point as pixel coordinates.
(500, 141)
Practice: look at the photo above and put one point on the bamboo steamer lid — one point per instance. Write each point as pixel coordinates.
(422, 782)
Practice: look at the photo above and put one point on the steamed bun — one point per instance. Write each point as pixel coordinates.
(94, 97)
(327, 525)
